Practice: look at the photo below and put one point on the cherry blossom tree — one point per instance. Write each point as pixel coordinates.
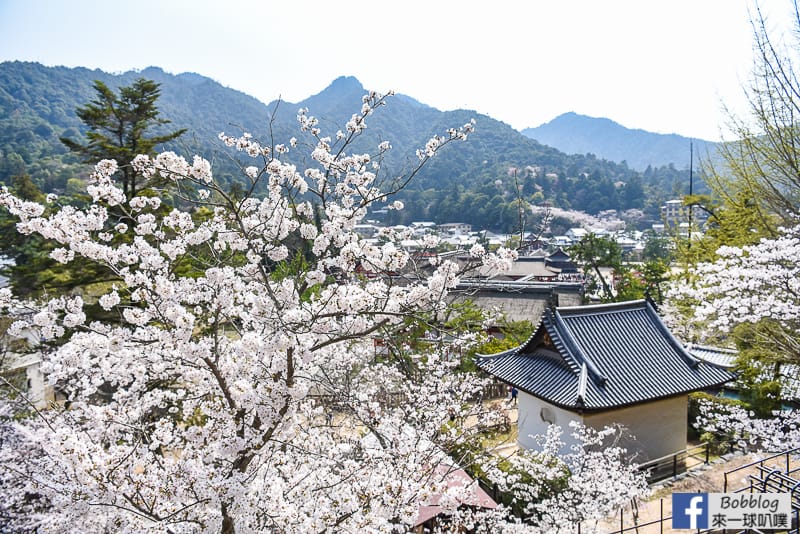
(748, 285)
(192, 411)
(238, 388)
(554, 491)
(741, 428)
(749, 297)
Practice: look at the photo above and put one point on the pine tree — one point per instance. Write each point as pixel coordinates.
(118, 125)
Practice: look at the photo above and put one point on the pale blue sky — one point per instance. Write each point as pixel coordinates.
(664, 66)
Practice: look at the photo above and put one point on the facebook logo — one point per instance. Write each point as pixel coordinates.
(690, 510)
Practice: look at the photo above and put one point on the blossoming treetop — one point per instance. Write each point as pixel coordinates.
(193, 409)
(205, 421)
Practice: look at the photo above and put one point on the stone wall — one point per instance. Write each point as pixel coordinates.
(522, 301)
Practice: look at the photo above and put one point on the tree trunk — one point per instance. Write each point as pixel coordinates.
(227, 522)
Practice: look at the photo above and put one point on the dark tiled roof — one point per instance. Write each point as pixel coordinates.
(789, 373)
(718, 356)
(601, 357)
(560, 260)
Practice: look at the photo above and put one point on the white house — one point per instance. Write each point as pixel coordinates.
(455, 228)
(576, 234)
(366, 230)
(22, 366)
(28, 368)
(423, 227)
(602, 365)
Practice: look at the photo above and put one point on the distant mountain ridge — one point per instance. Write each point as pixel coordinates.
(579, 134)
(477, 181)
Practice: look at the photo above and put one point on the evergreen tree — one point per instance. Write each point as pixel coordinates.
(600, 259)
(118, 127)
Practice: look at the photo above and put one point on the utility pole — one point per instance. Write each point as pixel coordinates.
(691, 191)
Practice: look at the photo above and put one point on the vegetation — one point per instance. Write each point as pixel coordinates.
(231, 316)
(600, 259)
(474, 186)
(198, 407)
(38, 103)
(701, 402)
(118, 127)
(763, 166)
(739, 285)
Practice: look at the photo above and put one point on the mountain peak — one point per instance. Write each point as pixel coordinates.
(343, 88)
(571, 117)
(192, 78)
(580, 134)
(346, 83)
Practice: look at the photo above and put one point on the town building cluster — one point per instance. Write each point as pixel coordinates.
(677, 220)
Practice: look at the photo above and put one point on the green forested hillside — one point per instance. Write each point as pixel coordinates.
(37, 106)
(471, 182)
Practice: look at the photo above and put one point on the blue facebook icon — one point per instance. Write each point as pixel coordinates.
(689, 510)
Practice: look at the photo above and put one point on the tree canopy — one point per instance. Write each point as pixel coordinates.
(739, 283)
(119, 125)
(248, 393)
(761, 165)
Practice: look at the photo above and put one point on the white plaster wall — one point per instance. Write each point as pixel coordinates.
(39, 391)
(36, 387)
(530, 423)
(657, 428)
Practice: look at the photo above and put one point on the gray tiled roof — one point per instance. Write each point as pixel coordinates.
(789, 373)
(716, 355)
(601, 357)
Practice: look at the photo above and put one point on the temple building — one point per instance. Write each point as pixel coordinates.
(603, 365)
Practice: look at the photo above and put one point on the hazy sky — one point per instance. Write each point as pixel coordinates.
(661, 65)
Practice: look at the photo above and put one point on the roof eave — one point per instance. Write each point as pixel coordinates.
(583, 407)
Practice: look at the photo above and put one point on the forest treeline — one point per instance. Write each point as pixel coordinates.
(481, 183)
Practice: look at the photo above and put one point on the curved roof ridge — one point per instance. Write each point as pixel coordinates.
(610, 306)
(496, 354)
(690, 346)
(550, 328)
(551, 354)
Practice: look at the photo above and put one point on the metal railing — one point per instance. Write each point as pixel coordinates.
(672, 465)
(760, 463)
(767, 477)
(775, 481)
(641, 528)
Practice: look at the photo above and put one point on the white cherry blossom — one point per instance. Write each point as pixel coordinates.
(202, 403)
